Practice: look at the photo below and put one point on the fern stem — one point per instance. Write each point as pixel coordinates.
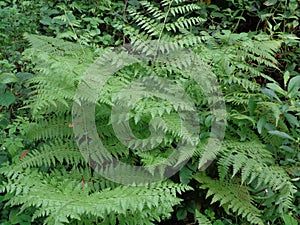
(163, 27)
(72, 27)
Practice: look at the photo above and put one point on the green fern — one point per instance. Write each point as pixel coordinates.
(62, 199)
(75, 192)
(255, 165)
(57, 152)
(202, 219)
(53, 58)
(231, 196)
(170, 16)
(64, 195)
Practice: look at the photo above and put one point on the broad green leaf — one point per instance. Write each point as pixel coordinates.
(288, 149)
(2, 88)
(276, 88)
(289, 220)
(292, 119)
(6, 78)
(46, 20)
(281, 134)
(185, 175)
(270, 93)
(293, 87)
(239, 116)
(181, 213)
(293, 5)
(266, 15)
(286, 77)
(260, 124)
(7, 99)
(277, 26)
(218, 222)
(22, 76)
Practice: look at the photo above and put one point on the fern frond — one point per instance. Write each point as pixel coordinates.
(57, 62)
(53, 153)
(241, 98)
(231, 196)
(262, 51)
(255, 163)
(184, 23)
(150, 26)
(58, 127)
(60, 199)
(202, 219)
(153, 10)
(171, 18)
(183, 9)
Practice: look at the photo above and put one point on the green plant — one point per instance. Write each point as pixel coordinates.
(255, 177)
(242, 63)
(89, 23)
(279, 125)
(32, 179)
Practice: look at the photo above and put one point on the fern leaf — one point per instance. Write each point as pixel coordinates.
(231, 196)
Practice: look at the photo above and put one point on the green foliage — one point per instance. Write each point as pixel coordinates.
(16, 17)
(251, 46)
(53, 58)
(242, 63)
(170, 16)
(232, 196)
(61, 198)
(202, 219)
(59, 62)
(89, 23)
(256, 167)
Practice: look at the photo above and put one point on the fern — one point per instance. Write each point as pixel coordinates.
(53, 58)
(255, 164)
(52, 154)
(50, 128)
(74, 192)
(231, 196)
(202, 219)
(170, 16)
(237, 59)
(70, 194)
(51, 195)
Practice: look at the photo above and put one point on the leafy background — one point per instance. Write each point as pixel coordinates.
(251, 46)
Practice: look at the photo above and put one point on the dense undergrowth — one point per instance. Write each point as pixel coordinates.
(251, 50)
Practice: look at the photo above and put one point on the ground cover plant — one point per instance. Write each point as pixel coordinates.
(247, 52)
